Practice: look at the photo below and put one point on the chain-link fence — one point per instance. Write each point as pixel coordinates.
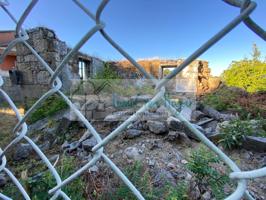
(20, 130)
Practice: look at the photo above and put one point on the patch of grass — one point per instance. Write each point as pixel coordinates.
(201, 163)
(8, 122)
(38, 189)
(48, 108)
(142, 179)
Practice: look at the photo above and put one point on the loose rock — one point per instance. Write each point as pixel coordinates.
(132, 133)
(217, 115)
(197, 115)
(3, 180)
(132, 153)
(89, 144)
(163, 177)
(73, 146)
(118, 116)
(157, 127)
(206, 195)
(257, 144)
(22, 152)
(172, 136)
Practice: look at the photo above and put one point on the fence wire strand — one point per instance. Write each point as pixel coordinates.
(21, 129)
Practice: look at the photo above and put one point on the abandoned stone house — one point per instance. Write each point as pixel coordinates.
(26, 77)
(195, 78)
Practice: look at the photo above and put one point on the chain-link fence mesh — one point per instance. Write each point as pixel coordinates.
(20, 130)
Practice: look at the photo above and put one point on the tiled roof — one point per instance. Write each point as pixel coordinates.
(6, 37)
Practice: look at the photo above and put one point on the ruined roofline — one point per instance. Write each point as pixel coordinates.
(159, 59)
(80, 54)
(162, 62)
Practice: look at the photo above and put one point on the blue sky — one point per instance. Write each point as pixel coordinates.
(149, 28)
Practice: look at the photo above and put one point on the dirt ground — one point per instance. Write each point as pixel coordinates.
(156, 152)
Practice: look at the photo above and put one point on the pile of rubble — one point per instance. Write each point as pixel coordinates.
(157, 139)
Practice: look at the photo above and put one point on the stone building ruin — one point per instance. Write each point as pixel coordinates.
(34, 78)
(28, 78)
(195, 78)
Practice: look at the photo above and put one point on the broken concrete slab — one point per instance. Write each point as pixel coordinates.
(118, 116)
(211, 112)
(175, 124)
(253, 143)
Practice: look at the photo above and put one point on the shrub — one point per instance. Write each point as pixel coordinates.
(201, 163)
(222, 99)
(234, 133)
(107, 73)
(237, 101)
(248, 74)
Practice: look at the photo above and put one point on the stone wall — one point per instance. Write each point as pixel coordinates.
(195, 78)
(35, 77)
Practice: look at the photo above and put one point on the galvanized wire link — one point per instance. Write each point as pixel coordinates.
(20, 130)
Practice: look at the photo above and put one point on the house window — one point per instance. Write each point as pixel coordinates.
(84, 69)
(81, 66)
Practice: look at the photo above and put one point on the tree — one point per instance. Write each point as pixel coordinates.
(248, 74)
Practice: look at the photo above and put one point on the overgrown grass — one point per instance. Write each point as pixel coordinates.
(109, 81)
(75, 190)
(202, 163)
(142, 179)
(38, 187)
(48, 108)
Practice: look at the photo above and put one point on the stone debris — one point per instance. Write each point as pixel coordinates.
(197, 115)
(88, 144)
(132, 153)
(118, 116)
(22, 152)
(3, 180)
(141, 98)
(177, 125)
(186, 112)
(257, 144)
(132, 133)
(172, 136)
(157, 127)
(211, 112)
(163, 177)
